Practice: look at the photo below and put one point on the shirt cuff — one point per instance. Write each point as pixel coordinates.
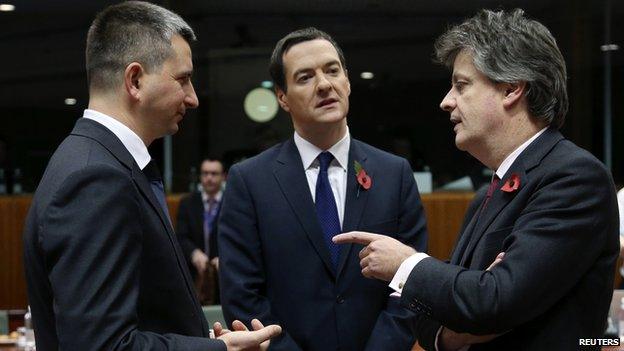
(404, 271)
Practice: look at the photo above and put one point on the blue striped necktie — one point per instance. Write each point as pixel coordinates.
(326, 209)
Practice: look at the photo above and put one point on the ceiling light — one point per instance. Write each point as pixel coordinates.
(266, 84)
(7, 7)
(70, 101)
(367, 75)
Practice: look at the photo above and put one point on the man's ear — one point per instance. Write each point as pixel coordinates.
(133, 76)
(348, 82)
(513, 92)
(281, 98)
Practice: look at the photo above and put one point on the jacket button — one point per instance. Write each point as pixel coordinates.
(412, 305)
(340, 299)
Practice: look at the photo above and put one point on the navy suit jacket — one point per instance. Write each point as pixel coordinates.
(275, 265)
(103, 266)
(190, 228)
(559, 232)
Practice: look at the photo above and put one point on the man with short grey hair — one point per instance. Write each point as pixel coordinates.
(103, 266)
(533, 266)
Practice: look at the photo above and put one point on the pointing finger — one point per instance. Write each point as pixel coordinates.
(363, 238)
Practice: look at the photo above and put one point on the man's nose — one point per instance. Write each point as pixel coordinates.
(448, 103)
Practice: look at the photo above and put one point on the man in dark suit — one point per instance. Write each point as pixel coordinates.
(282, 207)
(197, 223)
(103, 266)
(534, 264)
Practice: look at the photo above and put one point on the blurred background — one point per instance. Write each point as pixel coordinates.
(388, 44)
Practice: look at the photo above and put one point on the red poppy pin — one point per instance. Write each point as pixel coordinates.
(512, 184)
(363, 179)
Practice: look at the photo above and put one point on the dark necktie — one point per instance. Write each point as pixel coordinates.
(152, 173)
(210, 213)
(490, 191)
(326, 209)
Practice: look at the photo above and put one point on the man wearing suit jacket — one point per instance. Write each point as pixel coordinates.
(282, 207)
(534, 264)
(197, 224)
(103, 266)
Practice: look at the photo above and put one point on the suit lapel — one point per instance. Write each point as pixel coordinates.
(498, 201)
(197, 209)
(109, 140)
(291, 178)
(355, 199)
(527, 160)
(465, 236)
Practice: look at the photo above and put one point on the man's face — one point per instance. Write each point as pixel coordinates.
(168, 92)
(475, 105)
(317, 85)
(211, 176)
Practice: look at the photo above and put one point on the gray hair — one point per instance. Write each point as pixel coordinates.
(508, 47)
(132, 31)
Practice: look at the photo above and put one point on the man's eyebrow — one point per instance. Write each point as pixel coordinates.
(305, 69)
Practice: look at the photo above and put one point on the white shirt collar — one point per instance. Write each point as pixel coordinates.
(217, 197)
(507, 162)
(128, 138)
(309, 152)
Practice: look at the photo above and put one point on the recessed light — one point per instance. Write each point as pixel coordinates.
(7, 7)
(70, 101)
(266, 84)
(367, 75)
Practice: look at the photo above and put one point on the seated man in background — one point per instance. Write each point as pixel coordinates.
(550, 213)
(196, 229)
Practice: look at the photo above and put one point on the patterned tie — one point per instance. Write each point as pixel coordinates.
(326, 210)
(209, 216)
(153, 175)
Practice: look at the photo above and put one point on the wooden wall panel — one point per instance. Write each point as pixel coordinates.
(444, 215)
(13, 210)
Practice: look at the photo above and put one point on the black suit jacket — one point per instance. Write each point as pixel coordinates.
(559, 232)
(103, 266)
(275, 265)
(190, 227)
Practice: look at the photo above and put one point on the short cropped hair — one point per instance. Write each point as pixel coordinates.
(508, 47)
(276, 66)
(133, 31)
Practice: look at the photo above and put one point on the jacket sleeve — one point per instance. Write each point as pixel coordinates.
(241, 267)
(91, 239)
(393, 329)
(567, 225)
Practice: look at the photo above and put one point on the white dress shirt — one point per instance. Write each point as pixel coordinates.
(128, 138)
(337, 171)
